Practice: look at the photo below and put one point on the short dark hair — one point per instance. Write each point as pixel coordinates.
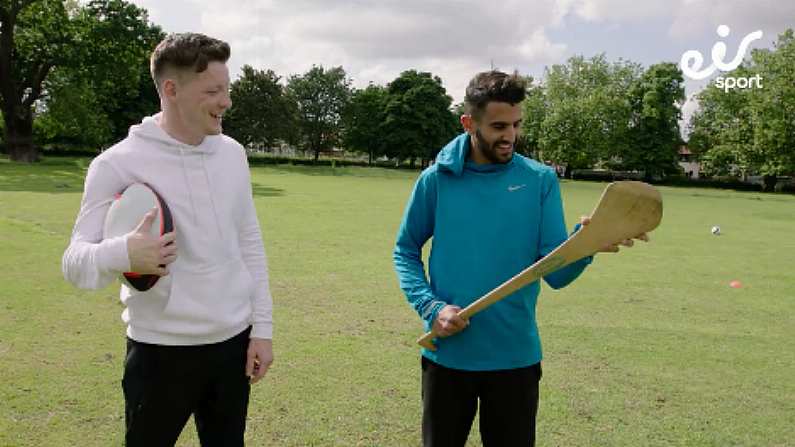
(490, 86)
(186, 52)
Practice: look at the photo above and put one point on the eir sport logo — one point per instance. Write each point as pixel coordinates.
(693, 60)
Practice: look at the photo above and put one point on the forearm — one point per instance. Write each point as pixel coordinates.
(565, 276)
(415, 230)
(415, 286)
(253, 254)
(91, 262)
(94, 265)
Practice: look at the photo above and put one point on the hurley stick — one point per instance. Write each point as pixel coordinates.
(626, 209)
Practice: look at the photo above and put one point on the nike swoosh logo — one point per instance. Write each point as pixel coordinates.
(513, 188)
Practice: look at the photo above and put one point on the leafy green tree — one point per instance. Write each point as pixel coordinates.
(362, 120)
(563, 136)
(73, 114)
(418, 119)
(581, 114)
(51, 50)
(655, 100)
(35, 36)
(261, 114)
(722, 130)
(321, 96)
(535, 111)
(773, 111)
(108, 80)
(751, 130)
(120, 40)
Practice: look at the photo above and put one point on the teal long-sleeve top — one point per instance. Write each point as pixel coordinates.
(488, 223)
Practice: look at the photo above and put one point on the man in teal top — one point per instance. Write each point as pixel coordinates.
(491, 213)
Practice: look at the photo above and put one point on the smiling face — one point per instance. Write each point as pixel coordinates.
(493, 134)
(198, 102)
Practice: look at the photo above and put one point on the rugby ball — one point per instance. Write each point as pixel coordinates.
(127, 210)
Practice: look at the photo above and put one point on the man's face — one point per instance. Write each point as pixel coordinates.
(494, 133)
(202, 98)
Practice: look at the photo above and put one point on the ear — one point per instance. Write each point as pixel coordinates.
(467, 123)
(169, 88)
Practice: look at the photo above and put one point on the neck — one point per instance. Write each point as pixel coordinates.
(475, 153)
(171, 123)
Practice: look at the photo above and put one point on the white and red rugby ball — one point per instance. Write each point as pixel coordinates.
(126, 212)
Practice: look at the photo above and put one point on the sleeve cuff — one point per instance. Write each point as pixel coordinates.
(589, 259)
(262, 330)
(432, 311)
(112, 255)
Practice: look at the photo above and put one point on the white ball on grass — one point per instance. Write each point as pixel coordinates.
(716, 230)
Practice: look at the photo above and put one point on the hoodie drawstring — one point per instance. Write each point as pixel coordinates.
(187, 185)
(212, 200)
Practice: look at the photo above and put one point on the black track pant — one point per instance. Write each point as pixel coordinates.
(508, 405)
(164, 385)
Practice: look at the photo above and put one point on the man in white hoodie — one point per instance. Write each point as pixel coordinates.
(201, 335)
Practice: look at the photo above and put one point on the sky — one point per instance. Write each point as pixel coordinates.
(374, 41)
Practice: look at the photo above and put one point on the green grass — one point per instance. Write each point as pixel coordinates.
(650, 347)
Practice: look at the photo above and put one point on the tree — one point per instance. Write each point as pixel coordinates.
(73, 115)
(52, 48)
(362, 120)
(35, 36)
(261, 113)
(583, 111)
(535, 111)
(722, 130)
(321, 96)
(751, 130)
(119, 42)
(563, 139)
(655, 101)
(108, 79)
(418, 120)
(773, 111)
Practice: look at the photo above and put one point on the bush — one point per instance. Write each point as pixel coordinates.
(712, 182)
(721, 182)
(604, 175)
(332, 162)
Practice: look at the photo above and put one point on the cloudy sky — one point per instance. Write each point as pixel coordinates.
(375, 40)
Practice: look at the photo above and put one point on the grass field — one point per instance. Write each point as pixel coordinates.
(650, 347)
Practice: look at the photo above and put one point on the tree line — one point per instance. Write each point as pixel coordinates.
(409, 119)
(76, 75)
(752, 130)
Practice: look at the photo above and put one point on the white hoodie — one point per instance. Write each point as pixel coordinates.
(219, 283)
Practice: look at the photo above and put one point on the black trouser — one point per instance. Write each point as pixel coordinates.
(508, 405)
(164, 385)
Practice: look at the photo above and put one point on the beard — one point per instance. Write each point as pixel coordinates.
(490, 149)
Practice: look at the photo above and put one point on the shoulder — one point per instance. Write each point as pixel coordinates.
(229, 152)
(228, 142)
(230, 145)
(431, 172)
(116, 155)
(429, 177)
(533, 167)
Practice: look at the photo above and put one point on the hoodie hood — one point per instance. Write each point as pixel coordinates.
(453, 158)
(149, 129)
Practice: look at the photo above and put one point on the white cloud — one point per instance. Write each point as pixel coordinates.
(538, 47)
(694, 17)
(375, 41)
(454, 39)
(621, 10)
